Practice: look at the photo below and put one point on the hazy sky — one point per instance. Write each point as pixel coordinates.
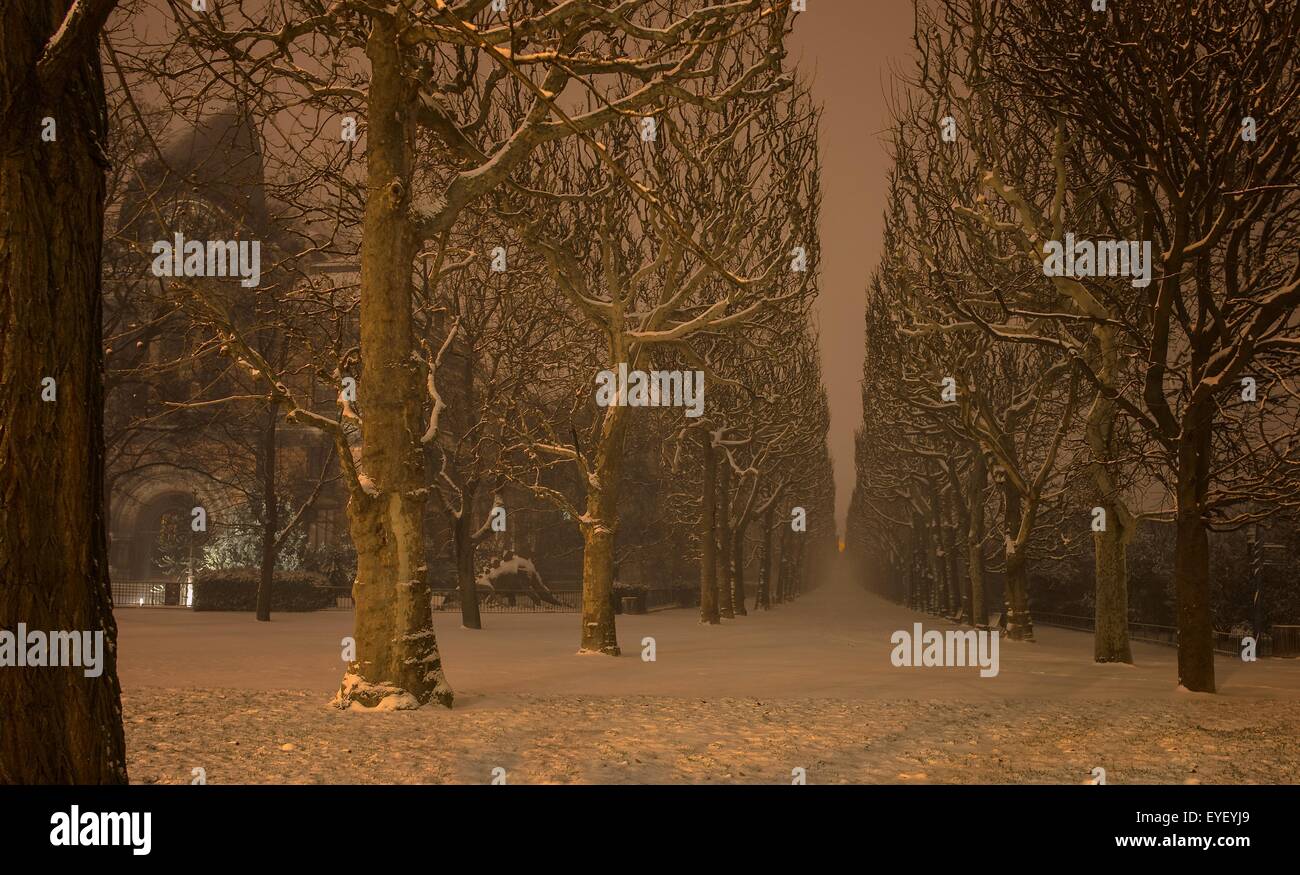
(848, 48)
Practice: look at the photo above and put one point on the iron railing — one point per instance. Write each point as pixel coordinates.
(1224, 642)
(155, 593)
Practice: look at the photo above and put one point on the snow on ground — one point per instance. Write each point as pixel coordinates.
(807, 685)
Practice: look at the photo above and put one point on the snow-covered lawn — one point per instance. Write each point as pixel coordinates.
(806, 685)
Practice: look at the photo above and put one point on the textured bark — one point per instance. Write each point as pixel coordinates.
(397, 651)
(598, 632)
(56, 724)
(1110, 639)
(708, 558)
(1110, 547)
(1192, 555)
(270, 515)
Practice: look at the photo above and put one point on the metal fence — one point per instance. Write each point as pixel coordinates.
(1224, 642)
(568, 594)
(152, 593)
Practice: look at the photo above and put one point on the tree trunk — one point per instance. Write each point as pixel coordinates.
(738, 575)
(598, 631)
(1110, 638)
(1110, 547)
(59, 726)
(726, 595)
(764, 597)
(1020, 626)
(783, 566)
(979, 475)
(463, 542)
(1192, 556)
(397, 663)
(797, 568)
(708, 551)
(270, 515)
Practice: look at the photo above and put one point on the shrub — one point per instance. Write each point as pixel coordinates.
(621, 591)
(235, 589)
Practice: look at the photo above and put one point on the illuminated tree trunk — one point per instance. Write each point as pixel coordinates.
(397, 662)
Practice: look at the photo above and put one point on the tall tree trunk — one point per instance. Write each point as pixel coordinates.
(598, 526)
(726, 595)
(797, 568)
(1110, 636)
(956, 590)
(1110, 547)
(783, 566)
(59, 726)
(738, 575)
(270, 514)
(978, 481)
(764, 597)
(708, 546)
(397, 651)
(1020, 626)
(463, 542)
(1192, 555)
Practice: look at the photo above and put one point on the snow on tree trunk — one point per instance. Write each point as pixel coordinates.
(598, 631)
(397, 664)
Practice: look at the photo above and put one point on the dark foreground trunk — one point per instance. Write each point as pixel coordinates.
(463, 539)
(1192, 559)
(708, 556)
(56, 724)
(270, 517)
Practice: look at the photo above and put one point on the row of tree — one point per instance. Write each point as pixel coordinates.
(1016, 406)
(466, 212)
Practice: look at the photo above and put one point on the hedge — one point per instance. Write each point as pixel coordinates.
(235, 589)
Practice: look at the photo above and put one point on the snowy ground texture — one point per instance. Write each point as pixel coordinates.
(808, 685)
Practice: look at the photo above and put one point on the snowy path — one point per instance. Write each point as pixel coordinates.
(832, 643)
(806, 685)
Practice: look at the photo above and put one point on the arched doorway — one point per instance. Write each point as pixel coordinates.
(164, 552)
